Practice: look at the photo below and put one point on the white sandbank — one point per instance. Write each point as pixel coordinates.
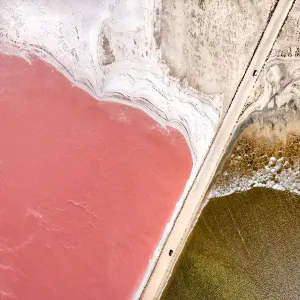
(107, 48)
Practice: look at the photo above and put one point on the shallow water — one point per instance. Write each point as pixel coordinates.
(86, 188)
(244, 246)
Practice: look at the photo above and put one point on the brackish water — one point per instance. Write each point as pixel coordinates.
(244, 246)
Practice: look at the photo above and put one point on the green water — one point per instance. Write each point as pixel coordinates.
(244, 246)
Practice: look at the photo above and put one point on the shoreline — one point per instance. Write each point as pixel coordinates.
(195, 114)
(274, 163)
(193, 205)
(197, 155)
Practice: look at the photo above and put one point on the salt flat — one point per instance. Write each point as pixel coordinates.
(180, 62)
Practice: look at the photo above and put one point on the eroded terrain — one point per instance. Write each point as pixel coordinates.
(210, 43)
(181, 62)
(245, 242)
(266, 150)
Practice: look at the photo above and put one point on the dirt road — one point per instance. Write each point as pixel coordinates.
(196, 197)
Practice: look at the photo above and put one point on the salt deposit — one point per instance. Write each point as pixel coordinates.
(275, 178)
(109, 49)
(146, 54)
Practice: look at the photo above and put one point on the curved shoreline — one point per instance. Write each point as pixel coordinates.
(147, 87)
(116, 97)
(196, 198)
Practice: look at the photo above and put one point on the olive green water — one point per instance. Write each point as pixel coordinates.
(244, 246)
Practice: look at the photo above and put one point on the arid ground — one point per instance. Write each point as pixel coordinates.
(122, 121)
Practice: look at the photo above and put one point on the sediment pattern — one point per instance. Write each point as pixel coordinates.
(181, 62)
(126, 51)
(108, 48)
(266, 154)
(244, 246)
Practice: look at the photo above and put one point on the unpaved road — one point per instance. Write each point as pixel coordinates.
(196, 196)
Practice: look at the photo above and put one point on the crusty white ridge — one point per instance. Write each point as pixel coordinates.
(108, 49)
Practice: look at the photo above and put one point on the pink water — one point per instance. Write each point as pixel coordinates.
(86, 188)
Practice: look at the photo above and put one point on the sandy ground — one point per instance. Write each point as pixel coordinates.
(281, 72)
(195, 198)
(176, 60)
(201, 40)
(108, 48)
(181, 62)
(125, 51)
(265, 154)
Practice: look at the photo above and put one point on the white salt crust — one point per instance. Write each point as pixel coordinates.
(277, 174)
(107, 48)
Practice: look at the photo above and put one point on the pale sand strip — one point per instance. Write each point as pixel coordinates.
(196, 197)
